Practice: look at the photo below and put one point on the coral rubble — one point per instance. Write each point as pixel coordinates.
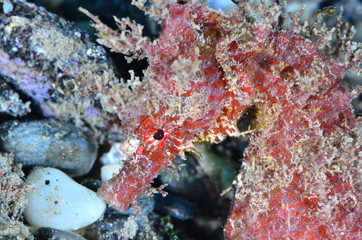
(12, 199)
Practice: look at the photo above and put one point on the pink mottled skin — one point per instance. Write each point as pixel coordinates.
(296, 157)
(216, 116)
(301, 173)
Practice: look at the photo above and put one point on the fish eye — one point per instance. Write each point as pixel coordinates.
(159, 134)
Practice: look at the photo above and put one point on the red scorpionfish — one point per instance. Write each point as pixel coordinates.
(301, 174)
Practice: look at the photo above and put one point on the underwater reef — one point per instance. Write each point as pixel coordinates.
(300, 177)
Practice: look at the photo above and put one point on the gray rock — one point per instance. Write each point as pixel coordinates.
(49, 143)
(118, 225)
(189, 182)
(55, 234)
(174, 206)
(145, 208)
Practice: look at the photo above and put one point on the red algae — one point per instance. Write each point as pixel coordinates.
(301, 176)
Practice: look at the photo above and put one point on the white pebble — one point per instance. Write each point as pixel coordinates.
(7, 7)
(114, 156)
(109, 170)
(60, 202)
(220, 4)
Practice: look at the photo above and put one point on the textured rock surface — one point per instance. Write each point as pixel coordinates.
(13, 196)
(56, 65)
(59, 202)
(10, 102)
(50, 143)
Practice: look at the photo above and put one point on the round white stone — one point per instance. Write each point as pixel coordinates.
(110, 170)
(60, 202)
